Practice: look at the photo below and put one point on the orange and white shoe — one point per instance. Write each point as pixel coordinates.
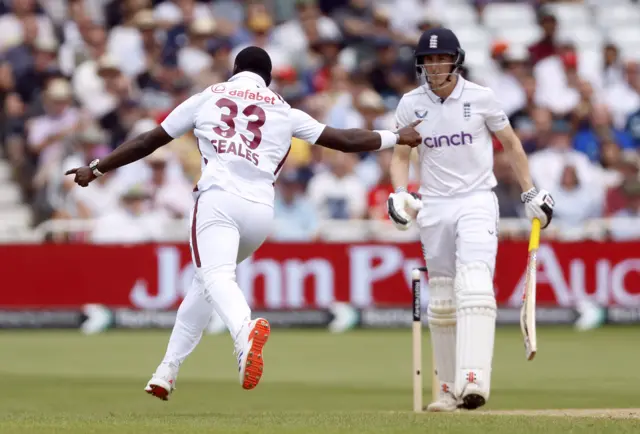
(249, 347)
(163, 381)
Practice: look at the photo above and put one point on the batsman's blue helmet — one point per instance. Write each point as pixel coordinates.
(439, 40)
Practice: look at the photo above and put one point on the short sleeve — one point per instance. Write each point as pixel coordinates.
(304, 127)
(403, 117)
(495, 117)
(182, 118)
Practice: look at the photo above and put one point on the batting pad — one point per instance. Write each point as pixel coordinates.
(476, 308)
(441, 314)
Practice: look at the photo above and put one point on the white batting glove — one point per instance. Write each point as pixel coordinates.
(538, 204)
(403, 207)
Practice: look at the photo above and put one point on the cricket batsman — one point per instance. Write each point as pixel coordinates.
(457, 212)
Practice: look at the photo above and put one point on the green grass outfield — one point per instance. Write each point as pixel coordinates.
(315, 382)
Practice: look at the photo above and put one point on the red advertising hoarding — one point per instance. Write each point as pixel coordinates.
(292, 276)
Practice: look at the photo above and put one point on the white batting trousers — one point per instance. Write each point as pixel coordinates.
(459, 230)
(459, 239)
(225, 230)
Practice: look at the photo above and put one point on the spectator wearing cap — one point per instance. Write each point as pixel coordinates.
(339, 193)
(194, 58)
(557, 80)
(547, 165)
(259, 28)
(600, 127)
(546, 45)
(296, 219)
(130, 221)
(125, 42)
(510, 66)
(47, 133)
(88, 78)
(70, 201)
(171, 195)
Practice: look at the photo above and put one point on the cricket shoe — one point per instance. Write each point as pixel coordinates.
(249, 347)
(163, 381)
(472, 397)
(446, 401)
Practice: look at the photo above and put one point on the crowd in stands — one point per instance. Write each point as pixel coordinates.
(79, 77)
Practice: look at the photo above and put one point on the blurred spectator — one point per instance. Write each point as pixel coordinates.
(629, 168)
(46, 133)
(88, 78)
(575, 201)
(389, 74)
(308, 28)
(538, 139)
(16, 25)
(546, 46)
(557, 80)
(547, 166)
(130, 221)
(522, 120)
(508, 190)
(194, 58)
(589, 138)
(623, 97)
(625, 225)
(170, 195)
(296, 218)
(506, 77)
(339, 193)
(97, 198)
(259, 31)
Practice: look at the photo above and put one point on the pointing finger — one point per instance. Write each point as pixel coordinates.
(71, 171)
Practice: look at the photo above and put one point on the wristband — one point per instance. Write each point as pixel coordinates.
(401, 190)
(388, 138)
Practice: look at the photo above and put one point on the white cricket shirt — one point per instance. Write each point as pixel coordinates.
(244, 133)
(456, 154)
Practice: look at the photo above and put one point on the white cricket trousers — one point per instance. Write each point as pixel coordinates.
(459, 230)
(225, 230)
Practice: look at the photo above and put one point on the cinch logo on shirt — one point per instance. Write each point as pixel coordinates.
(455, 139)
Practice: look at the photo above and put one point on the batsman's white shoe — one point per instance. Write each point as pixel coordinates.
(249, 347)
(443, 404)
(446, 401)
(472, 397)
(163, 381)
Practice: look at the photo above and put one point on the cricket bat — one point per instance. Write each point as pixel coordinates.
(528, 309)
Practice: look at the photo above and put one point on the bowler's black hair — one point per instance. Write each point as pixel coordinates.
(256, 60)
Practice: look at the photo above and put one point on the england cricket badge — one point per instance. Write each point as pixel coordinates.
(466, 111)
